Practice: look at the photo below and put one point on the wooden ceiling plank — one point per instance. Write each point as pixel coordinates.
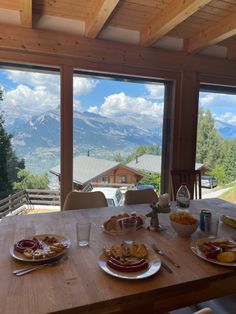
(231, 52)
(66, 9)
(212, 35)
(102, 11)
(25, 8)
(174, 13)
(223, 5)
(10, 5)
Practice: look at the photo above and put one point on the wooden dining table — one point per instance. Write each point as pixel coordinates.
(78, 285)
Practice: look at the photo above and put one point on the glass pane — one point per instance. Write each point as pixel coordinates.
(216, 144)
(29, 139)
(117, 134)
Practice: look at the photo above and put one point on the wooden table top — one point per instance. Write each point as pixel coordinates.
(78, 285)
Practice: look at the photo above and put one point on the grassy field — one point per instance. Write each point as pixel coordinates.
(229, 196)
(40, 211)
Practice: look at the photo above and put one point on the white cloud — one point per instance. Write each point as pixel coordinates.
(118, 103)
(156, 91)
(224, 102)
(38, 92)
(93, 109)
(133, 110)
(83, 86)
(51, 82)
(77, 105)
(228, 117)
(35, 100)
(207, 99)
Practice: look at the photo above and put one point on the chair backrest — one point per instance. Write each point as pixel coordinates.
(79, 200)
(140, 197)
(205, 310)
(192, 178)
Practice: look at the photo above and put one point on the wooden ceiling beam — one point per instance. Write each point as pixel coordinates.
(231, 52)
(101, 55)
(212, 35)
(176, 12)
(25, 8)
(97, 19)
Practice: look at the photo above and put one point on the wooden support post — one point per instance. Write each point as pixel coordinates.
(66, 131)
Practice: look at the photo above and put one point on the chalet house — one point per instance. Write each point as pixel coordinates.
(100, 172)
(152, 164)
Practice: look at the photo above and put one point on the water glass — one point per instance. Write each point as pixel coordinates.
(211, 226)
(83, 233)
(129, 227)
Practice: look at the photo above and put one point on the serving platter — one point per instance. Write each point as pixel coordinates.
(196, 250)
(120, 231)
(60, 238)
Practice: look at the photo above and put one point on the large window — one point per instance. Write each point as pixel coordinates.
(216, 141)
(117, 120)
(30, 131)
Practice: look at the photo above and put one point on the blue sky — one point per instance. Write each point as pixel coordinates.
(33, 93)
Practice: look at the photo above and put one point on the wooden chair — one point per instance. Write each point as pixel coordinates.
(79, 200)
(192, 178)
(140, 197)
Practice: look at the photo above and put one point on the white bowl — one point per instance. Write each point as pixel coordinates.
(184, 230)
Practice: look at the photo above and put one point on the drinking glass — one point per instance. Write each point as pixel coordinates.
(211, 226)
(83, 233)
(129, 227)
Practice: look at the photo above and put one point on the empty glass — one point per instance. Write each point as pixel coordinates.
(129, 227)
(211, 226)
(83, 233)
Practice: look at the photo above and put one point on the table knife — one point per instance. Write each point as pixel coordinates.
(167, 268)
(160, 252)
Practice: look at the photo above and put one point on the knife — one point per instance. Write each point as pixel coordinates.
(160, 252)
(167, 268)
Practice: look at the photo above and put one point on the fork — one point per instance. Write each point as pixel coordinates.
(160, 252)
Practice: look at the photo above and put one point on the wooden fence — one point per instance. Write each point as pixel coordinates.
(44, 197)
(29, 197)
(12, 202)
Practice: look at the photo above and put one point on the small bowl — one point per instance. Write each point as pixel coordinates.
(184, 230)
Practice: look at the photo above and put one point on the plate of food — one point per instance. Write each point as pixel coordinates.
(39, 248)
(113, 225)
(217, 251)
(129, 261)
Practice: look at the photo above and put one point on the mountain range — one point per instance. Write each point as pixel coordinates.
(37, 139)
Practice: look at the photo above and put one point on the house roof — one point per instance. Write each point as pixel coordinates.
(152, 163)
(86, 168)
(146, 162)
(196, 27)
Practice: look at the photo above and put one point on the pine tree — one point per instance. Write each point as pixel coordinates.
(209, 143)
(9, 163)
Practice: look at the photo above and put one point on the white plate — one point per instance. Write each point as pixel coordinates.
(195, 248)
(154, 266)
(20, 257)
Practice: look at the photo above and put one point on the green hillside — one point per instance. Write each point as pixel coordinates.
(230, 195)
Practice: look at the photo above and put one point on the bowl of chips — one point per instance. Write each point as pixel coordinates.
(183, 223)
